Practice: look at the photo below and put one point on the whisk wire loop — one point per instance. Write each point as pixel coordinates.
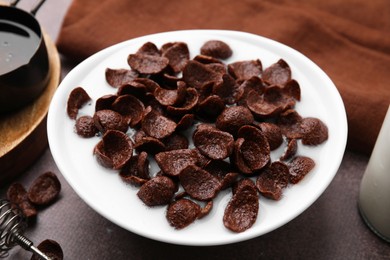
(11, 222)
(12, 226)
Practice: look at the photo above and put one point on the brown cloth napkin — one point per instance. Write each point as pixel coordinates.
(348, 39)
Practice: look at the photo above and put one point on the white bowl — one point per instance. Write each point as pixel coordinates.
(105, 192)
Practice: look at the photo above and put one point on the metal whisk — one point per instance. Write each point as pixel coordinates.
(12, 225)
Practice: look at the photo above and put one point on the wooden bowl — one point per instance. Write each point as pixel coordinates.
(23, 135)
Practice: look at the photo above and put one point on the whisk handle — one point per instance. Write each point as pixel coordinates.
(25, 243)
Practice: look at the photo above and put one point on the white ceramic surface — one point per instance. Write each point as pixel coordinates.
(105, 192)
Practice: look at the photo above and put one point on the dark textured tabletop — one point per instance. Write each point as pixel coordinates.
(330, 229)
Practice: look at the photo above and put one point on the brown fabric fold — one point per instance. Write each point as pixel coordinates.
(349, 40)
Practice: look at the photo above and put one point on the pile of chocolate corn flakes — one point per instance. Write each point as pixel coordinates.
(235, 115)
(43, 192)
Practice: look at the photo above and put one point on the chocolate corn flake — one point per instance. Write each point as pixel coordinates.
(311, 130)
(198, 183)
(133, 179)
(272, 180)
(182, 212)
(185, 122)
(118, 77)
(290, 151)
(223, 171)
(157, 191)
(169, 81)
(170, 97)
(237, 157)
(227, 89)
(314, 131)
(292, 89)
(147, 64)
(149, 48)
(217, 49)
(17, 194)
(178, 55)
(217, 67)
(213, 143)
(255, 149)
(277, 96)
(149, 144)
(156, 125)
(138, 135)
(105, 102)
(210, 107)
(176, 141)
(106, 119)
(51, 249)
(218, 168)
(151, 103)
(206, 209)
(149, 84)
(129, 107)
(242, 209)
(234, 117)
(290, 124)
(134, 88)
(278, 73)
(273, 102)
(299, 167)
(253, 83)
(206, 59)
(191, 100)
(45, 189)
(173, 162)
(272, 132)
(136, 170)
(78, 97)
(196, 75)
(243, 70)
(114, 150)
(260, 107)
(85, 127)
(206, 91)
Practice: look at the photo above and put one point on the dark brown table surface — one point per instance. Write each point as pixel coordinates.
(330, 229)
